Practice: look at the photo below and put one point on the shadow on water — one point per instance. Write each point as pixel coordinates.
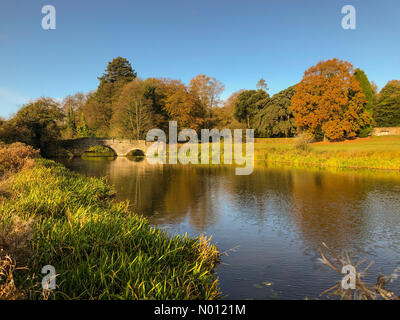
(274, 220)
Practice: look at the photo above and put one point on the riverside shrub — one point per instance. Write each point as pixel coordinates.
(15, 156)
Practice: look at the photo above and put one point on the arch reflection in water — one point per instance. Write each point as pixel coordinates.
(136, 154)
(99, 151)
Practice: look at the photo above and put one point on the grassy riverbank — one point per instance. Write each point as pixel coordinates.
(52, 216)
(369, 153)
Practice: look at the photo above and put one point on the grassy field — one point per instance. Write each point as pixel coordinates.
(52, 216)
(383, 143)
(372, 152)
(367, 153)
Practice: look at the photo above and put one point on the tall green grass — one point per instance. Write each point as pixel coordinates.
(99, 249)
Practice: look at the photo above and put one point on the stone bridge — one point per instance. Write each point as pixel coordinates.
(121, 147)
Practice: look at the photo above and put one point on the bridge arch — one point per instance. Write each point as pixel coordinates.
(136, 153)
(100, 150)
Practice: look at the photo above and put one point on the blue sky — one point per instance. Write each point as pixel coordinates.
(236, 41)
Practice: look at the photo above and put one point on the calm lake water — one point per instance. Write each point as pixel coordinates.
(270, 224)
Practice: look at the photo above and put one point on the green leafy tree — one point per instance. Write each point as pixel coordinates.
(262, 85)
(369, 94)
(72, 106)
(155, 92)
(276, 119)
(366, 88)
(83, 130)
(248, 103)
(37, 124)
(99, 107)
(133, 114)
(387, 109)
(118, 69)
(70, 123)
(7, 132)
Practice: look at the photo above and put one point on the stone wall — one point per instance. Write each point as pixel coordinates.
(389, 131)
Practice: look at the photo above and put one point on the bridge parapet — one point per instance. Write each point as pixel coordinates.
(121, 147)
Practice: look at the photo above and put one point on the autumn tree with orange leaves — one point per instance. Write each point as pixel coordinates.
(183, 106)
(329, 102)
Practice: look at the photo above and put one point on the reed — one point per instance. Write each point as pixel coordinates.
(99, 249)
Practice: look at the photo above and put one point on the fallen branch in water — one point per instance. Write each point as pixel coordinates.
(362, 290)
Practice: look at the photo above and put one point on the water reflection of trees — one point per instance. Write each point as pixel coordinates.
(318, 205)
(166, 193)
(328, 207)
(341, 209)
(336, 208)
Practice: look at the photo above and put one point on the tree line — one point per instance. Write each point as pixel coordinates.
(333, 101)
